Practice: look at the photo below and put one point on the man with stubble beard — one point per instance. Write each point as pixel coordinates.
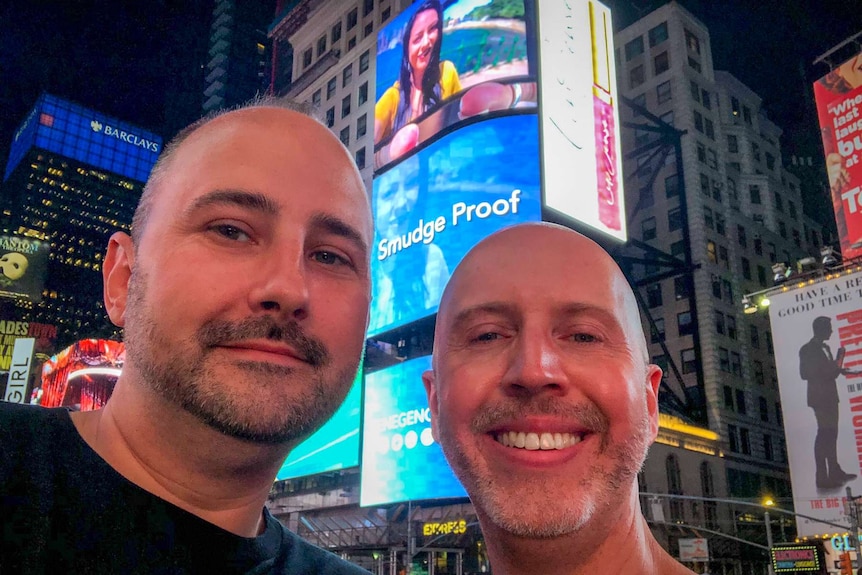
(243, 293)
(544, 402)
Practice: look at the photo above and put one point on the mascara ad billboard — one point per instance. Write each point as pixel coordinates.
(839, 102)
(401, 461)
(435, 205)
(441, 63)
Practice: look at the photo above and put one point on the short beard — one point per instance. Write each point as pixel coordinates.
(180, 374)
(598, 490)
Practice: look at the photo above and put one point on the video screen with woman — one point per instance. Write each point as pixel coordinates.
(441, 62)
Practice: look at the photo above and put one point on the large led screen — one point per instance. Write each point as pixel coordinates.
(82, 376)
(581, 157)
(23, 266)
(839, 103)
(434, 205)
(333, 446)
(439, 66)
(400, 459)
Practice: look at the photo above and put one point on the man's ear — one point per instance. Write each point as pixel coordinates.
(116, 271)
(653, 381)
(430, 380)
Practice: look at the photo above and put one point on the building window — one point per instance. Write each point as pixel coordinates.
(663, 92)
(345, 106)
(731, 326)
(754, 194)
(733, 438)
(674, 487)
(351, 44)
(757, 368)
(740, 402)
(711, 253)
(744, 441)
(701, 153)
(330, 117)
(674, 219)
(384, 16)
(746, 116)
(720, 223)
(693, 64)
(346, 75)
(316, 97)
(363, 94)
(331, 85)
(754, 336)
(653, 293)
(778, 417)
(708, 219)
(732, 144)
(724, 359)
(677, 249)
(767, 447)
(306, 58)
(728, 397)
(709, 128)
(648, 229)
(689, 363)
(726, 286)
(770, 161)
(352, 19)
(707, 485)
(706, 100)
(741, 235)
(720, 327)
(321, 46)
(695, 90)
(635, 48)
(712, 159)
(692, 42)
(361, 125)
(369, 29)
(360, 158)
(746, 268)
(782, 229)
(735, 363)
(682, 287)
(684, 324)
(657, 35)
(367, 7)
(761, 276)
(661, 63)
(671, 186)
(657, 333)
(704, 185)
(636, 76)
(755, 151)
(364, 61)
(764, 409)
(791, 207)
(734, 106)
(344, 136)
(336, 32)
(698, 121)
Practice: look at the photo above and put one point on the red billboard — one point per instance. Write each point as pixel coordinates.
(82, 376)
(839, 102)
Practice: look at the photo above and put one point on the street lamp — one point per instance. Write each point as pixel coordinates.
(768, 502)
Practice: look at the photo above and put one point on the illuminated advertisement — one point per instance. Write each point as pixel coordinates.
(333, 446)
(437, 67)
(839, 102)
(70, 130)
(12, 329)
(817, 333)
(23, 265)
(581, 157)
(796, 558)
(82, 376)
(400, 459)
(435, 205)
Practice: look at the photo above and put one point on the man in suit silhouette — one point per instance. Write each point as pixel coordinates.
(820, 369)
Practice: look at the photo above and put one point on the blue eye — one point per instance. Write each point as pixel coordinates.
(330, 259)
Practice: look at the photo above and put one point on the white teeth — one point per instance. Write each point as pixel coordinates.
(537, 441)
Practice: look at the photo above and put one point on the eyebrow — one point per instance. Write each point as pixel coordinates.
(464, 316)
(338, 227)
(241, 198)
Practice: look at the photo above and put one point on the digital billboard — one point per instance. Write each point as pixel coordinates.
(434, 205)
(333, 446)
(11, 329)
(401, 461)
(839, 102)
(82, 376)
(23, 265)
(70, 130)
(581, 156)
(439, 66)
(817, 334)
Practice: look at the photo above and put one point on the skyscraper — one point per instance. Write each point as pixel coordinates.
(74, 176)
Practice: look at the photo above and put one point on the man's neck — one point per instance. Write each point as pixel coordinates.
(168, 452)
(616, 542)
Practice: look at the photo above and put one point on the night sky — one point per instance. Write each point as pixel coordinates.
(143, 61)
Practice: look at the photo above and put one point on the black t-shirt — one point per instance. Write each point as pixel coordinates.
(63, 509)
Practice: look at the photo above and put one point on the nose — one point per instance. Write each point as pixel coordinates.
(535, 367)
(281, 286)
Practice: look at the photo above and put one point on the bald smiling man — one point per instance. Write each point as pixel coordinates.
(545, 404)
